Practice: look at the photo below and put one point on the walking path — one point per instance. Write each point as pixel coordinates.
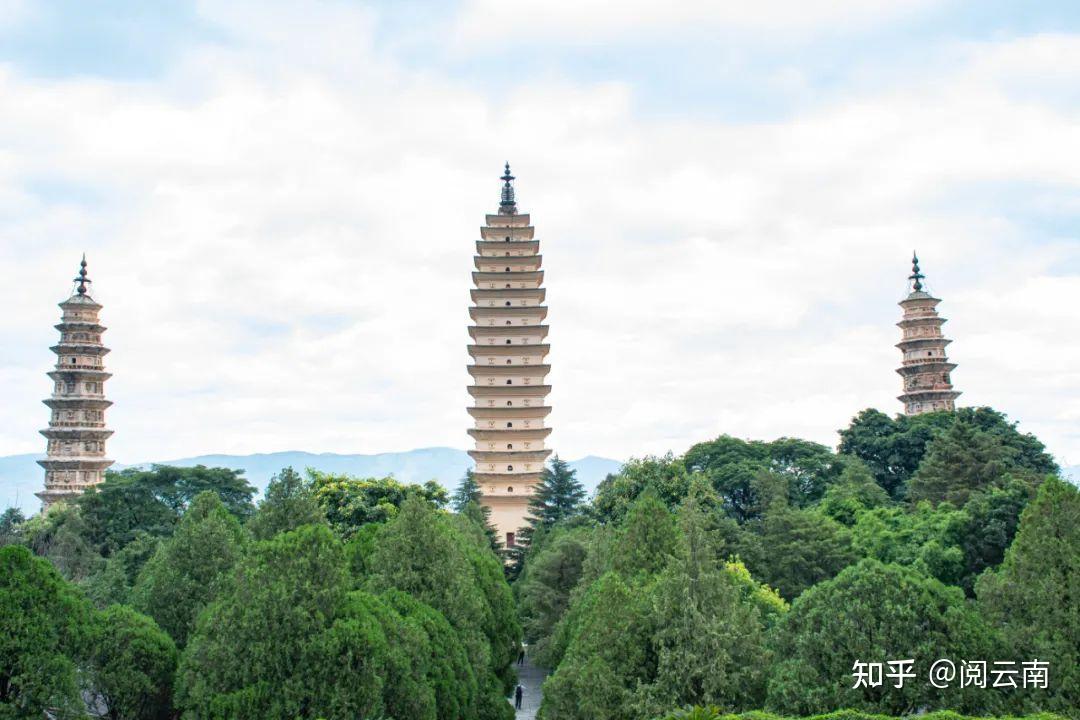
(531, 678)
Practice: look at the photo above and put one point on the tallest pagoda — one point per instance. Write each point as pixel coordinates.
(926, 369)
(508, 367)
(75, 455)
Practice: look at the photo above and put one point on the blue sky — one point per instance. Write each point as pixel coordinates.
(278, 200)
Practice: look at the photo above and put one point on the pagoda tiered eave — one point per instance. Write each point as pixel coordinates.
(509, 434)
(477, 331)
(77, 432)
(509, 413)
(538, 294)
(94, 372)
(534, 277)
(499, 233)
(923, 342)
(92, 402)
(504, 370)
(507, 220)
(538, 312)
(929, 394)
(506, 478)
(920, 367)
(503, 350)
(516, 262)
(80, 349)
(509, 391)
(512, 456)
(500, 245)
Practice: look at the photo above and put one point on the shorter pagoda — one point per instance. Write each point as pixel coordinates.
(926, 369)
(75, 454)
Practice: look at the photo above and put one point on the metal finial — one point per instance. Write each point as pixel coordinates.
(916, 276)
(82, 279)
(507, 206)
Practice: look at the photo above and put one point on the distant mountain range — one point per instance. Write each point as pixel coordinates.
(21, 476)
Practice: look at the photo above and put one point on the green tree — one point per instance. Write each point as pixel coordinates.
(480, 516)
(873, 612)
(350, 502)
(747, 474)
(666, 476)
(250, 654)
(114, 582)
(448, 671)
(893, 448)
(855, 491)
(1033, 595)
(991, 519)
(558, 497)
(544, 589)
(154, 500)
(43, 636)
(794, 549)
(609, 655)
(287, 638)
(59, 534)
(10, 531)
(468, 491)
(450, 568)
(709, 638)
(130, 666)
(961, 461)
(188, 569)
(647, 539)
(370, 662)
(925, 537)
(288, 504)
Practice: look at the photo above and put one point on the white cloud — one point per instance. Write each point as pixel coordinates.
(499, 23)
(283, 248)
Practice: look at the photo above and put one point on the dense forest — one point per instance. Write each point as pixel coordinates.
(741, 576)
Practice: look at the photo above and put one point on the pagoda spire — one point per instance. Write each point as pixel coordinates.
(75, 450)
(507, 205)
(81, 278)
(916, 276)
(926, 369)
(508, 350)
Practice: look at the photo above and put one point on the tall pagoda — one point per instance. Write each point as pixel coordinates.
(508, 351)
(926, 369)
(75, 458)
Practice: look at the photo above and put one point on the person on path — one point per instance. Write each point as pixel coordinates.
(518, 693)
(521, 657)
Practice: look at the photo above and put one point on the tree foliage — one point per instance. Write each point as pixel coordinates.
(349, 503)
(1033, 595)
(153, 501)
(289, 503)
(43, 638)
(451, 568)
(893, 448)
(467, 491)
(187, 570)
(551, 575)
(558, 497)
(671, 626)
(130, 666)
(874, 612)
(792, 549)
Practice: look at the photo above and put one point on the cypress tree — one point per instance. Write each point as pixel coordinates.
(560, 496)
(467, 491)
